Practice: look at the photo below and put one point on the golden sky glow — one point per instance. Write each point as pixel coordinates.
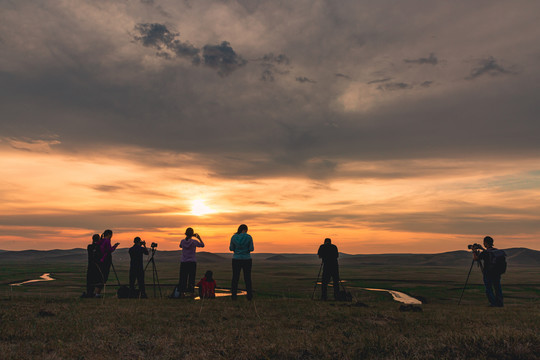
(52, 200)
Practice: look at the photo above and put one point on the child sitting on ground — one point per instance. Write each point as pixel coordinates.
(207, 286)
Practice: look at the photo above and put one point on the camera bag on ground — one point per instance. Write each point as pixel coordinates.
(176, 293)
(123, 292)
(497, 261)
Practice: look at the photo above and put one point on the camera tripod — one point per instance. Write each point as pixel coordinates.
(154, 272)
(469, 274)
(317, 281)
(340, 284)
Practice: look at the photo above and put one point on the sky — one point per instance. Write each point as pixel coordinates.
(388, 126)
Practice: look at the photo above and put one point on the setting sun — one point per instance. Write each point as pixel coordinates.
(199, 208)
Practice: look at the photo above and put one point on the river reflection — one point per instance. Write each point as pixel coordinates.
(396, 295)
(225, 292)
(399, 296)
(44, 277)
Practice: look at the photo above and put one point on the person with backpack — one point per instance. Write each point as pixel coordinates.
(494, 266)
(207, 286)
(329, 254)
(242, 245)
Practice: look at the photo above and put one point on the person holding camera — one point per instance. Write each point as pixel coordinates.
(188, 262)
(136, 268)
(494, 265)
(242, 245)
(106, 258)
(329, 254)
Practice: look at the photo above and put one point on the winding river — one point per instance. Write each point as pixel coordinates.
(44, 277)
(399, 296)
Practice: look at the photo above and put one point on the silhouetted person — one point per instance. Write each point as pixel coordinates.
(329, 254)
(106, 258)
(242, 245)
(188, 262)
(136, 268)
(207, 286)
(93, 276)
(491, 271)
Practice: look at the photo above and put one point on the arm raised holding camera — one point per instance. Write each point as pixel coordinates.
(200, 242)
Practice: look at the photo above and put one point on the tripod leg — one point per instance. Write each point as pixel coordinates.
(157, 278)
(115, 274)
(318, 276)
(153, 277)
(466, 281)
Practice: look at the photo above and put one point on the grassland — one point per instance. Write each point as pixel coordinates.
(49, 321)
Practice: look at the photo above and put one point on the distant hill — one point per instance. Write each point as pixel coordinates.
(276, 257)
(515, 257)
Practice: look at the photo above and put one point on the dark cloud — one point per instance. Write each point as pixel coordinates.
(154, 35)
(222, 57)
(158, 36)
(107, 188)
(340, 75)
(488, 66)
(376, 81)
(395, 86)
(304, 79)
(426, 83)
(273, 65)
(280, 59)
(431, 60)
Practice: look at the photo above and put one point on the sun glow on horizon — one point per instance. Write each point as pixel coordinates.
(199, 208)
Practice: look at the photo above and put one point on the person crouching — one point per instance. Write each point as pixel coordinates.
(207, 286)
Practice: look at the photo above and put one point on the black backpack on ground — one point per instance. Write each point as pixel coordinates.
(123, 292)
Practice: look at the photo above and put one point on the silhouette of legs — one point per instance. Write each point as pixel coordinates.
(237, 266)
(491, 282)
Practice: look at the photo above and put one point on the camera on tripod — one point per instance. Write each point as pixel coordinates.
(475, 247)
(153, 245)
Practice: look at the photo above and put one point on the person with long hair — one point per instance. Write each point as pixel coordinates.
(188, 262)
(106, 258)
(93, 276)
(242, 246)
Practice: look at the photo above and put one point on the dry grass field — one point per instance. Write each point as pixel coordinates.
(48, 320)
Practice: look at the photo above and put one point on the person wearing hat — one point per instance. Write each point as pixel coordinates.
(136, 269)
(329, 254)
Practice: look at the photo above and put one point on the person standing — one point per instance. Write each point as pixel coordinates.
(136, 268)
(494, 265)
(242, 246)
(92, 273)
(188, 262)
(329, 254)
(106, 258)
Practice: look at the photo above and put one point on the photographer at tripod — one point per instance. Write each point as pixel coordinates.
(329, 254)
(494, 265)
(136, 270)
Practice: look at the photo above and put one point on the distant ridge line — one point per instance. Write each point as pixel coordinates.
(515, 257)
